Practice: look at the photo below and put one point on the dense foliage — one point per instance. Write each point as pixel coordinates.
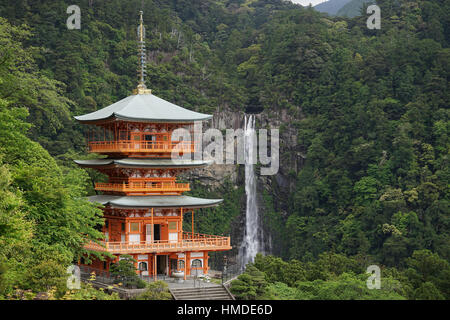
(44, 220)
(373, 122)
(369, 108)
(124, 273)
(337, 277)
(156, 290)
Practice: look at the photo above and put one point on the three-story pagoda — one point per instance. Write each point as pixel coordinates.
(143, 203)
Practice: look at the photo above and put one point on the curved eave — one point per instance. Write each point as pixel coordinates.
(116, 116)
(93, 163)
(130, 202)
(124, 118)
(141, 163)
(143, 108)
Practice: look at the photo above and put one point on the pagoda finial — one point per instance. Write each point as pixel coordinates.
(141, 88)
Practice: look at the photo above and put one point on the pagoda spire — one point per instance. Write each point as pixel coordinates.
(141, 88)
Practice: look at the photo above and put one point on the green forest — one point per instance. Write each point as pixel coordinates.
(370, 109)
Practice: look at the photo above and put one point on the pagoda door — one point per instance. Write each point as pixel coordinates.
(134, 238)
(148, 233)
(149, 141)
(135, 140)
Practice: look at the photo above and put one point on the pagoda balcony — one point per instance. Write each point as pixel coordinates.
(147, 147)
(144, 187)
(189, 242)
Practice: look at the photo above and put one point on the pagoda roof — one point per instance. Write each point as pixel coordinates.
(144, 108)
(177, 201)
(142, 163)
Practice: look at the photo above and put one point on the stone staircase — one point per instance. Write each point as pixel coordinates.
(205, 293)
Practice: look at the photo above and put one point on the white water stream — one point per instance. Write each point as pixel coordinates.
(251, 243)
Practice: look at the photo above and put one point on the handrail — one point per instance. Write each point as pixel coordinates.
(140, 146)
(142, 179)
(143, 186)
(198, 243)
(190, 235)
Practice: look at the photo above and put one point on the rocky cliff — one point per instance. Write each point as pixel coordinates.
(276, 187)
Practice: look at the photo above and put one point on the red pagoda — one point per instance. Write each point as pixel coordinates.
(143, 203)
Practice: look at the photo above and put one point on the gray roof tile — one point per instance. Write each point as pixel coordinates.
(144, 107)
(143, 163)
(154, 201)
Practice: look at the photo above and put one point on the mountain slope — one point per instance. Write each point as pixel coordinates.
(352, 8)
(363, 116)
(331, 7)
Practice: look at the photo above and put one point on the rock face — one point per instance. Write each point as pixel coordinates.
(214, 175)
(279, 186)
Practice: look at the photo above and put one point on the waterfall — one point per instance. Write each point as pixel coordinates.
(251, 243)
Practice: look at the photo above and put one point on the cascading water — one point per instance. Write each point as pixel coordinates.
(250, 245)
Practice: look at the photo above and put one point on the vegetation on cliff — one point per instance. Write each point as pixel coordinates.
(370, 109)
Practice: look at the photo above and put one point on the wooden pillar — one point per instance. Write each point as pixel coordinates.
(188, 261)
(167, 265)
(192, 231)
(152, 236)
(185, 265)
(180, 235)
(205, 262)
(136, 263)
(154, 267)
(109, 229)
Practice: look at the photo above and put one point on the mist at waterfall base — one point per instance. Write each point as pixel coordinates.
(251, 243)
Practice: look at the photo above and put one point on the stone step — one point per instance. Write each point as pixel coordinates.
(208, 293)
(196, 288)
(205, 298)
(198, 291)
(208, 298)
(201, 294)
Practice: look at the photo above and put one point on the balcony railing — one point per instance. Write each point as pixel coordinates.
(189, 242)
(144, 187)
(130, 146)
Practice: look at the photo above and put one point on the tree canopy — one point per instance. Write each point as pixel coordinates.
(366, 113)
